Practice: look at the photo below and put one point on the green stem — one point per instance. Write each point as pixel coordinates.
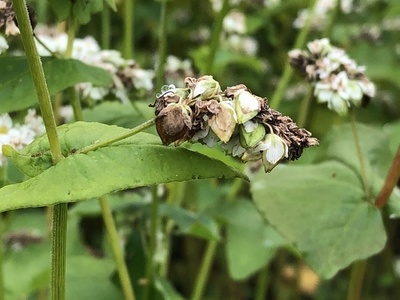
(75, 103)
(162, 46)
(304, 108)
(128, 28)
(202, 277)
(288, 70)
(152, 242)
(390, 182)
(115, 245)
(59, 224)
(356, 280)
(105, 27)
(71, 38)
(215, 37)
(175, 197)
(262, 284)
(39, 80)
(58, 253)
(3, 180)
(131, 132)
(360, 156)
(45, 47)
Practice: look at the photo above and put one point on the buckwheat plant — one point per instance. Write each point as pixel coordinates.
(337, 79)
(243, 122)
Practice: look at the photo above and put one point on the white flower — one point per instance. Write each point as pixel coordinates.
(3, 44)
(18, 136)
(11, 28)
(247, 106)
(322, 46)
(273, 149)
(235, 22)
(143, 79)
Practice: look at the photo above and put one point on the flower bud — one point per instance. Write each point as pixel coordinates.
(247, 106)
(223, 123)
(206, 88)
(251, 133)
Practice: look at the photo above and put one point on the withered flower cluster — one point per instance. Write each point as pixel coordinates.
(8, 19)
(337, 79)
(244, 123)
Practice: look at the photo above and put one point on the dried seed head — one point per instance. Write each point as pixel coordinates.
(173, 123)
(244, 123)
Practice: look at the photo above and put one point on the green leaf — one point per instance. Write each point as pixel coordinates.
(322, 210)
(36, 157)
(111, 3)
(251, 241)
(166, 289)
(196, 224)
(27, 270)
(132, 162)
(61, 8)
(339, 145)
(16, 85)
(89, 278)
(83, 9)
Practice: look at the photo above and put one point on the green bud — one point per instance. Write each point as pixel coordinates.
(206, 88)
(251, 133)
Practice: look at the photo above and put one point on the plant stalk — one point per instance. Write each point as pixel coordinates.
(105, 27)
(128, 28)
(356, 280)
(390, 182)
(3, 176)
(360, 156)
(175, 197)
(59, 219)
(262, 284)
(202, 276)
(162, 45)
(38, 77)
(130, 133)
(215, 37)
(288, 70)
(152, 243)
(116, 248)
(304, 108)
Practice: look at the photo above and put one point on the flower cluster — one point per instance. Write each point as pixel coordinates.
(176, 69)
(243, 122)
(7, 18)
(16, 135)
(337, 79)
(319, 14)
(234, 34)
(126, 73)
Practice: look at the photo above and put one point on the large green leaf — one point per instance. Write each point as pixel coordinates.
(133, 162)
(26, 270)
(90, 278)
(339, 145)
(251, 241)
(16, 85)
(322, 210)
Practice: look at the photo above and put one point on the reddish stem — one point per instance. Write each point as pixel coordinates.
(390, 181)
